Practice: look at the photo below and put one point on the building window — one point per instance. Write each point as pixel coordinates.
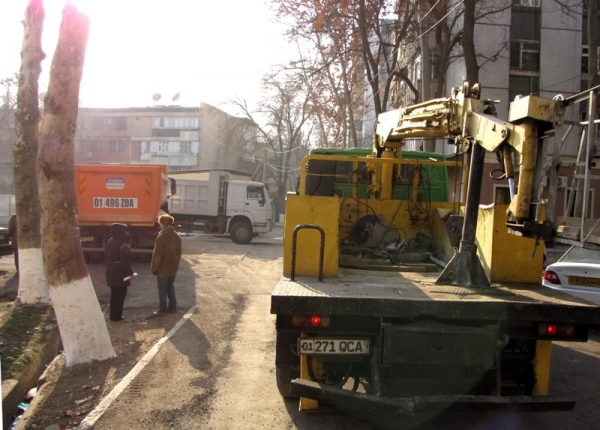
(163, 146)
(529, 3)
(185, 147)
(98, 123)
(524, 55)
(525, 30)
(522, 85)
(97, 146)
(116, 146)
(176, 122)
(501, 195)
(120, 123)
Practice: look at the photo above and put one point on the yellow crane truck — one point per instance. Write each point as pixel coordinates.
(399, 304)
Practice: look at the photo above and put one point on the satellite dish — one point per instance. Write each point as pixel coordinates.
(176, 97)
(156, 97)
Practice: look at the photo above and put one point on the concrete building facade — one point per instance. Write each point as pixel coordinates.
(183, 138)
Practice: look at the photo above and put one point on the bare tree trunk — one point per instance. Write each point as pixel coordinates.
(32, 282)
(468, 42)
(592, 19)
(80, 320)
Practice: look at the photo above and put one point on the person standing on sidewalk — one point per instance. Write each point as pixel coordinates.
(118, 268)
(12, 233)
(165, 263)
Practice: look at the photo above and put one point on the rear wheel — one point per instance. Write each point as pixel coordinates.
(287, 362)
(241, 233)
(284, 375)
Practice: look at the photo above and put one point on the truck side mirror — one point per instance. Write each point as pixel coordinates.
(173, 184)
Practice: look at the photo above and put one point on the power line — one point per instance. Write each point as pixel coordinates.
(441, 19)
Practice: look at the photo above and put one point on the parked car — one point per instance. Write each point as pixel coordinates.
(5, 246)
(576, 273)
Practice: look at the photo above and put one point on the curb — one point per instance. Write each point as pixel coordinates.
(14, 391)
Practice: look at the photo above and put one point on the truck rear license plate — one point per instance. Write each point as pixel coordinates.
(115, 202)
(320, 346)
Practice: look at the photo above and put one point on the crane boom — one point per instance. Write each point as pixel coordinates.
(469, 122)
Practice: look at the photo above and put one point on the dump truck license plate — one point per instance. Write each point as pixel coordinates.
(320, 346)
(115, 202)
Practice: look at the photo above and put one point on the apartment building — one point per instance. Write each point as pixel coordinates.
(183, 138)
(531, 47)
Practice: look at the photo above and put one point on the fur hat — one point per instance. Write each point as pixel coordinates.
(166, 220)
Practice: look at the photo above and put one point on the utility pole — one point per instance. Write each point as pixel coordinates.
(264, 161)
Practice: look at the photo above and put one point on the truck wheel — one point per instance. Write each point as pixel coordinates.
(241, 233)
(284, 375)
(287, 362)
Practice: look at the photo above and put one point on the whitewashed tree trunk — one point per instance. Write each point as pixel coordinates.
(32, 282)
(80, 321)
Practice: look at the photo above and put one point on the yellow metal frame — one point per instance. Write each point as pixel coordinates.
(541, 367)
(305, 403)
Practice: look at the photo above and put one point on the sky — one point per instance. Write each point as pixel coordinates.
(210, 51)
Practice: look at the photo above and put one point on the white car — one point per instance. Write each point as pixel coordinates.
(576, 273)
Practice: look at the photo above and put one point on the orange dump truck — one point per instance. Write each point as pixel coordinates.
(131, 194)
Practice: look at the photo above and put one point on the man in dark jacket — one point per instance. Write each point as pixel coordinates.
(165, 263)
(117, 269)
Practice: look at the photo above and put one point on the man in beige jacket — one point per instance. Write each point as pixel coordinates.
(165, 263)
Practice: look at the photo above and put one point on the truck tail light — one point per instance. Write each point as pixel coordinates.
(149, 232)
(551, 277)
(310, 321)
(556, 330)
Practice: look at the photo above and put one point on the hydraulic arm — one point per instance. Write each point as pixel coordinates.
(470, 123)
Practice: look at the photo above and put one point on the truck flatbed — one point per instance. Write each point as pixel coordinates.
(411, 295)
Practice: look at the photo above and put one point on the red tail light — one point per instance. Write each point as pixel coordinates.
(556, 330)
(551, 277)
(310, 321)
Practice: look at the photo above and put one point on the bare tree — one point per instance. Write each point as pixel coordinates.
(287, 126)
(81, 323)
(329, 66)
(355, 45)
(32, 282)
(8, 99)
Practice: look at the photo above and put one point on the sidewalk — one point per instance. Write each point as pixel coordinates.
(130, 338)
(68, 394)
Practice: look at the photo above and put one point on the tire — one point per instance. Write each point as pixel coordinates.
(241, 233)
(287, 363)
(284, 377)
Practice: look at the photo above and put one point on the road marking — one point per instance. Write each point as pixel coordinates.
(95, 415)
